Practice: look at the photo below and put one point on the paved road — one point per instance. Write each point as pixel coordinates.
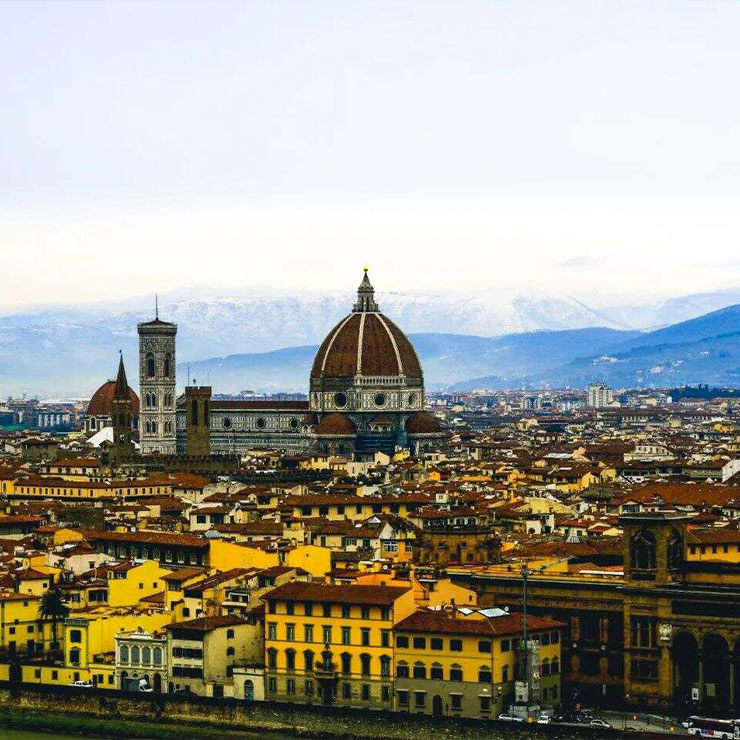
(641, 721)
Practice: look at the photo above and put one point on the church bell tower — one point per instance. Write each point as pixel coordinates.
(157, 385)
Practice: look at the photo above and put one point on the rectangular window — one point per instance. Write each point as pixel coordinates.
(326, 629)
(308, 688)
(290, 686)
(403, 698)
(346, 691)
(436, 643)
(505, 646)
(484, 646)
(366, 692)
(420, 699)
(485, 704)
(289, 607)
(290, 632)
(308, 608)
(346, 636)
(385, 693)
(385, 638)
(327, 610)
(308, 632)
(346, 611)
(272, 685)
(420, 643)
(456, 702)
(365, 612)
(402, 641)
(365, 633)
(456, 646)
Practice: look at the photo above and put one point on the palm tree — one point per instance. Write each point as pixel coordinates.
(53, 608)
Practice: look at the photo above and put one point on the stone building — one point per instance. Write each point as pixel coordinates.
(366, 394)
(157, 386)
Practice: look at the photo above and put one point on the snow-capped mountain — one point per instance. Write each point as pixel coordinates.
(54, 350)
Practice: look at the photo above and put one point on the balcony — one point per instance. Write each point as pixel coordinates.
(323, 671)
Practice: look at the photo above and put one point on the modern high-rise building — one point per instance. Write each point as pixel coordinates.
(599, 394)
(157, 387)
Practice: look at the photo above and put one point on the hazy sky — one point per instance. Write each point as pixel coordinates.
(575, 147)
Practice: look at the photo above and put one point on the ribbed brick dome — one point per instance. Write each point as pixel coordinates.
(366, 344)
(101, 404)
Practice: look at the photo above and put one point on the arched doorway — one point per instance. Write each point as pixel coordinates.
(249, 690)
(716, 672)
(158, 683)
(685, 671)
(437, 705)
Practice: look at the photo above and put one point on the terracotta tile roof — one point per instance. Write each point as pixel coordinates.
(385, 350)
(101, 404)
(425, 621)
(319, 592)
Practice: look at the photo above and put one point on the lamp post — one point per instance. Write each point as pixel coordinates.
(626, 706)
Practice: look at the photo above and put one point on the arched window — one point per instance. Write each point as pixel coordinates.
(385, 665)
(290, 659)
(308, 660)
(643, 550)
(229, 651)
(150, 365)
(484, 674)
(194, 413)
(402, 669)
(436, 672)
(545, 667)
(74, 656)
(420, 670)
(555, 666)
(456, 673)
(124, 653)
(365, 664)
(346, 664)
(157, 653)
(272, 658)
(146, 656)
(135, 654)
(675, 551)
(167, 362)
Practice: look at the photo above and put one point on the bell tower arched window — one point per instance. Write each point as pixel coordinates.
(167, 363)
(150, 371)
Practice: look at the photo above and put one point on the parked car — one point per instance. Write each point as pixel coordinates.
(510, 718)
(82, 684)
(596, 722)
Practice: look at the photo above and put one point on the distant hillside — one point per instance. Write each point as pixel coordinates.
(701, 350)
(444, 357)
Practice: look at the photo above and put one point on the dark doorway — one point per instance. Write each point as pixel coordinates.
(437, 705)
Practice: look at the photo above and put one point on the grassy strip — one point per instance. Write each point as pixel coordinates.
(113, 728)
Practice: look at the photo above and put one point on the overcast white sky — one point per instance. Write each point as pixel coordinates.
(564, 146)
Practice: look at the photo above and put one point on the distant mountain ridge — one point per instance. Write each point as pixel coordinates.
(505, 338)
